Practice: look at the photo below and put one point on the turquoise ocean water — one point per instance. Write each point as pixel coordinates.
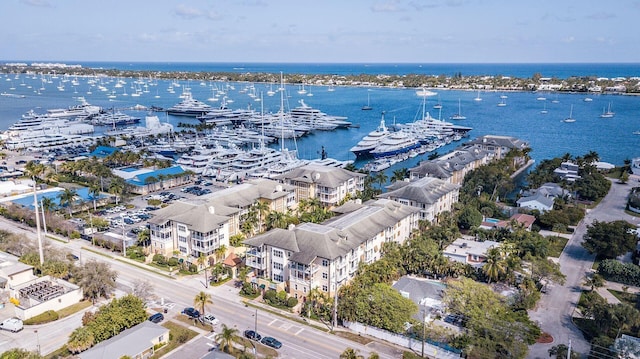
(613, 138)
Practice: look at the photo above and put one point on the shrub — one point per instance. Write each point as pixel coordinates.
(74, 235)
(193, 268)
(160, 260)
(292, 302)
(173, 262)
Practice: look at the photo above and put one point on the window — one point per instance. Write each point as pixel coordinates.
(325, 275)
(325, 263)
(277, 266)
(325, 288)
(277, 253)
(277, 278)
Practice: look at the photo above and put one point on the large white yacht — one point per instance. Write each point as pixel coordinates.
(189, 107)
(363, 148)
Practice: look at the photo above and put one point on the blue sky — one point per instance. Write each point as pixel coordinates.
(361, 31)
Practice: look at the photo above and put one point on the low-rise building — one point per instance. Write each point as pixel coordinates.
(568, 171)
(469, 251)
(537, 201)
(146, 180)
(431, 195)
(330, 185)
(326, 256)
(425, 293)
(136, 342)
(452, 167)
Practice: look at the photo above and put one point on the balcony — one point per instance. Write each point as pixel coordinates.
(256, 259)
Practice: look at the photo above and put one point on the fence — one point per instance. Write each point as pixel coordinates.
(430, 350)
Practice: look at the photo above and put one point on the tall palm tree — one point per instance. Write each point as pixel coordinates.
(220, 252)
(262, 208)
(381, 178)
(494, 266)
(94, 192)
(116, 188)
(227, 338)
(33, 169)
(201, 300)
(400, 174)
(66, 199)
(202, 260)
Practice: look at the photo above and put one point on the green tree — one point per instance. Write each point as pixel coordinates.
(609, 240)
(201, 300)
(227, 338)
(350, 353)
(469, 218)
(94, 193)
(561, 351)
(117, 188)
(19, 353)
(400, 174)
(378, 305)
(495, 266)
(66, 198)
(80, 340)
(96, 279)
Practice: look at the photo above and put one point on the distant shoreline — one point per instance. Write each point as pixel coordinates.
(575, 84)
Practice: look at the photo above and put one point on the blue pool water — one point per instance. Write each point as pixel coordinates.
(82, 193)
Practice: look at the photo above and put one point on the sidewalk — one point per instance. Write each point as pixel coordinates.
(610, 298)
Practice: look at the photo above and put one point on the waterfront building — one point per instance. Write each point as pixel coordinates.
(452, 167)
(431, 195)
(145, 180)
(326, 256)
(330, 185)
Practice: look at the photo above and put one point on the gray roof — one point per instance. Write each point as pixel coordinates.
(131, 342)
(425, 190)
(12, 268)
(200, 218)
(419, 288)
(336, 236)
(247, 193)
(538, 197)
(327, 176)
(502, 141)
(444, 166)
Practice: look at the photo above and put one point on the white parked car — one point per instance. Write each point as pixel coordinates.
(12, 325)
(210, 319)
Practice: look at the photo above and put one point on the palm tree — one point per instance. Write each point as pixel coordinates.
(66, 199)
(220, 252)
(33, 169)
(381, 178)
(400, 174)
(494, 266)
(201, 300)
(116, 188)
(94, 192)
(80, 340)
(227, 338)
(262, 208)
(202, 260)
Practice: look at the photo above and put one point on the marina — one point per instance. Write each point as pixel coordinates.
(304, 126)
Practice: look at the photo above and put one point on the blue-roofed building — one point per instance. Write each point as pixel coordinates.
(147, 180)
(103, 151)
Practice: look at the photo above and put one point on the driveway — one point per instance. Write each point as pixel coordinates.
(555, 309)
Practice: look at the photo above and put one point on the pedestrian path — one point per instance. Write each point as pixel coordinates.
(609, 297)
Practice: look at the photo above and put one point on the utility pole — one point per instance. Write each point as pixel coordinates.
(569, 350)
(335, 299)
(44, 218)
(35, 208)
(423, 331)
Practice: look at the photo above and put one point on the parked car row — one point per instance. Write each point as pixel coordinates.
(196, 190)
(268, 341)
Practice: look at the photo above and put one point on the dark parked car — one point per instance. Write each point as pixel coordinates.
(252, 335)
(156, 318)
(272, 342)
(191, 313)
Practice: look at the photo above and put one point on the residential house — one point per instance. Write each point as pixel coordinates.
(13, 272)
(568, 171)
(137, 342)
(330, 185)
(499, 146)
(326, 256)
(539, 201)
(431, 195)
(524, 220)
(145, 180)
(627, 346)
(425, 293)
(469, 251)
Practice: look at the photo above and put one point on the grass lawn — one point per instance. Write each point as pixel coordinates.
(178, 335)
(625, 297)
(72, 309)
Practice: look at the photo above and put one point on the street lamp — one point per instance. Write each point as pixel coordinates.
(255, 330)
(124, 243)
(37, 341)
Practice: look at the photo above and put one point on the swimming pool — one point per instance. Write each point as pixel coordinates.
(82, 193)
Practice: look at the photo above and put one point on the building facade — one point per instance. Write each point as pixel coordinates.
(431, 195)
(326, 256)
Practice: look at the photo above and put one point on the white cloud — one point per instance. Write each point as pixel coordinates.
(389, 6)
(187, 12)
(37, 3)
(569, 39)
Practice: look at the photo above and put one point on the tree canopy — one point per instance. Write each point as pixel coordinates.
(609, 240)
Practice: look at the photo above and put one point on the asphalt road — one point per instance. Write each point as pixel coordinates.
(555, 309)
(299, 340)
